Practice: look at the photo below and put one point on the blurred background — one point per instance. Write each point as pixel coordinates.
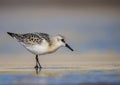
(91, 27)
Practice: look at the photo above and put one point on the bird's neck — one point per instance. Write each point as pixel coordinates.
(54, 46)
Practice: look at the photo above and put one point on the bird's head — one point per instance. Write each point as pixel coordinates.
(60, 41)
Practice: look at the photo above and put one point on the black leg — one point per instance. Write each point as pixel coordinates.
(36, 66)
(37, 62)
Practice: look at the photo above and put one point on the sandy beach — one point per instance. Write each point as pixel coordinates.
(89, 60)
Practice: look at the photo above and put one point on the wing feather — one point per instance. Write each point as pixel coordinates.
(31, 38)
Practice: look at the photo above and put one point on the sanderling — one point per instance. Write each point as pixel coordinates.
(40, 43)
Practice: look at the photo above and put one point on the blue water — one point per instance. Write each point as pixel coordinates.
(47, 77)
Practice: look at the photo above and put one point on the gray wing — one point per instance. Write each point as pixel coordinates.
(44, 36)
(30, 38)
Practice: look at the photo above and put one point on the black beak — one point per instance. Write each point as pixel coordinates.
(69, 47)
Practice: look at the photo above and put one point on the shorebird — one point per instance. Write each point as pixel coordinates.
(40, 43)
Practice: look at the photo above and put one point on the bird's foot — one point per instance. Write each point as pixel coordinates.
(36, 67)
(40, 67)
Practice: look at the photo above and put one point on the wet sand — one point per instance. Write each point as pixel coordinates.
(61, 70)
(59, 76)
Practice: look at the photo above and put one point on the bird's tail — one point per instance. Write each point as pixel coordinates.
(12, 34)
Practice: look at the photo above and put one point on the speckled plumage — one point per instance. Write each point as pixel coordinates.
(31, 38)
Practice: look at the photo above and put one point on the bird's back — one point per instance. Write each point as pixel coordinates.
(30, 38)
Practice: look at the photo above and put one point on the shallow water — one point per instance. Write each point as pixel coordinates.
(58, 76)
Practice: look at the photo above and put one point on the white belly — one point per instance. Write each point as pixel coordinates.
(37, 49)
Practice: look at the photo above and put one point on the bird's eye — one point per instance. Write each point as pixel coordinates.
(62, 40)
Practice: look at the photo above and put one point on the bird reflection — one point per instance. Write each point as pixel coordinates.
(37, 70)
